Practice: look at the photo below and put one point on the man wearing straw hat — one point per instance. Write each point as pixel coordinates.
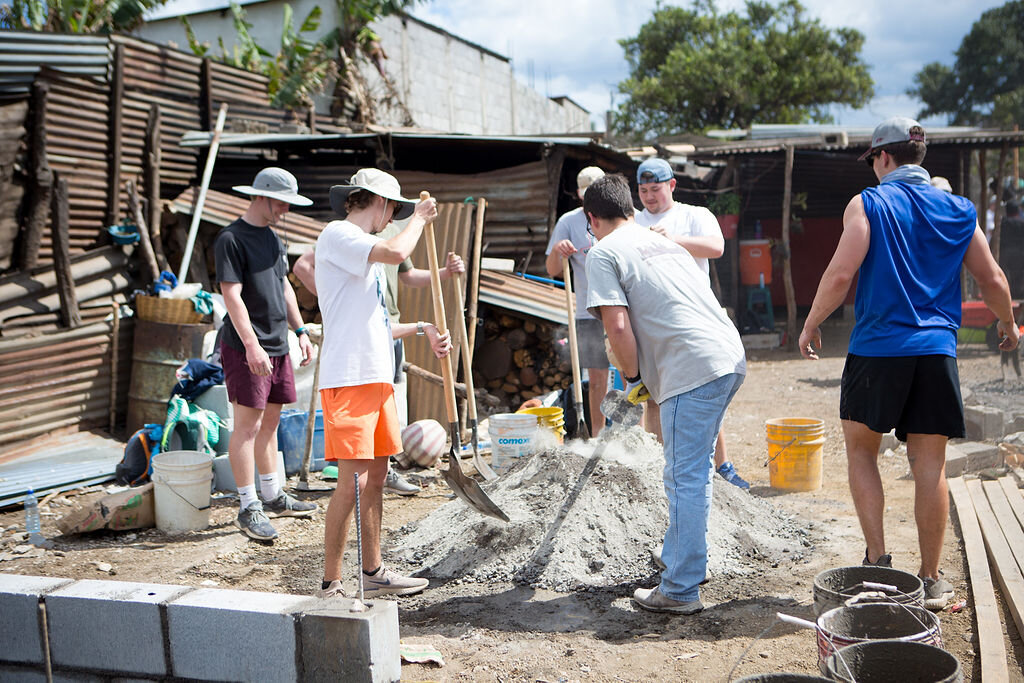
(907, 241)
(361, 429)
(251, 269)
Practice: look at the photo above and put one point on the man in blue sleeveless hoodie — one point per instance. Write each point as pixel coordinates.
(906, 242)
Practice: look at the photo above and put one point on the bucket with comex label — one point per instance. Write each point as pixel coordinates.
(512, 436)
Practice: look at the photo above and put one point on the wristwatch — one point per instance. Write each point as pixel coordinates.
(301, 331)
(419, 329)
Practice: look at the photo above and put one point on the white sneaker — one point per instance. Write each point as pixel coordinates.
(396, 483)
(387, 582)
(332, 591)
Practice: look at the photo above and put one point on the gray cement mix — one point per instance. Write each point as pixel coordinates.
(570, 531)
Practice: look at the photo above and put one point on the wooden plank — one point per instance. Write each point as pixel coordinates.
(1013, 496)
(61, 261)
(40, 183)
(1007, 572)
(991, 647)
(1012, 531)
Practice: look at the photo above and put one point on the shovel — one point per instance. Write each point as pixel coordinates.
(467, 369)
(465, 488)
(617, 408)
(307, 452)
(574, 350)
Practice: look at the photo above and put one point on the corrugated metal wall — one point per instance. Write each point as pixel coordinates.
(22, 53)
(12, 189)
(62, 379)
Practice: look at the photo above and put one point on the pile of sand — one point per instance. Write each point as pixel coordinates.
(577, 521)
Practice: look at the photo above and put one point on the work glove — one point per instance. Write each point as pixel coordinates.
(636, 392)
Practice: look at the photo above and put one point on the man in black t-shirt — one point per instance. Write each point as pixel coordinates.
(251, 270)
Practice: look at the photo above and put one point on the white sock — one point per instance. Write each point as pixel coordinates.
(269, 488)
(247, 494)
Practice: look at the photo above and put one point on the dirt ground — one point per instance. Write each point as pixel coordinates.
(510, 632)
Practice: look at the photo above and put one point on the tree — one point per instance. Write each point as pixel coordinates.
(985, 86)
(693, 69)
(75, 16)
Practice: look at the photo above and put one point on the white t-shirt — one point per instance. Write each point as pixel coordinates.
(684, 339)
(572, 226)
(358, 347)
(684, 220)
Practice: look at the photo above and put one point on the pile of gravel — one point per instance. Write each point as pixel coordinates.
(577, 522)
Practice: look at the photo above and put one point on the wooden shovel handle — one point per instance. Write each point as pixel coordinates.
(439, 317)
(467, 358)
(574, 347)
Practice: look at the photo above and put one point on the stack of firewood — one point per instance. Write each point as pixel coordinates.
(520, 359)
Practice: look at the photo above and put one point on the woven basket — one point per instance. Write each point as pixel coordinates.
(160, 310)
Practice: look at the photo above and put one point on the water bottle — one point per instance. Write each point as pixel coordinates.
(31, 514)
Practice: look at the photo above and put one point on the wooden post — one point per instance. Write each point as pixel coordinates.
(61, 260)
(135, 210)
(115, 339)
(474, 282)
(40, 180)
(787, 263)
(114, 136)
(152, 157)
(997, 219)
(205, 108)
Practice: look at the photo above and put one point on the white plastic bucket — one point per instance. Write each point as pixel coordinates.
(512, 436)
(181, 490)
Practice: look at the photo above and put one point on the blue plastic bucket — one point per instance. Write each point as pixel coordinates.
(291, 440)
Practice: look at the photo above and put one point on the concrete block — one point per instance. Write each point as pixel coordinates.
(21, 634)
(111, 626)
(984, 423)
(257, 630)
(956, 461)
(980, 456)
(341, 645)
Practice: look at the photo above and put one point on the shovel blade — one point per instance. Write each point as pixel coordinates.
(481, 466)
(469, 490)
(581, 427)
(617, 408)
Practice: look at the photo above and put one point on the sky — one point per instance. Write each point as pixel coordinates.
(569, 47)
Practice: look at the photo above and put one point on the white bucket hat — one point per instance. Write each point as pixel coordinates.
(275, 183)
(379, 183)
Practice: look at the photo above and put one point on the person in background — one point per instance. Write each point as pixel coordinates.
(357, 369)
(677, 347)
(905, 241)
(251, 269)
(695, 229)
(571, 239)
(407, 274)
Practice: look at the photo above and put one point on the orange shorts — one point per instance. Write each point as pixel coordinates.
(360, 422)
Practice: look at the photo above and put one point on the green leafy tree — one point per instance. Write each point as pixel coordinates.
(985, 86)
(75, 16)
(693, 69)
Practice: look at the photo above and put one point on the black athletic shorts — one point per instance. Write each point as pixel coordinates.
(914, 394)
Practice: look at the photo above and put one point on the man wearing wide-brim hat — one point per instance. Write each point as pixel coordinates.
(251, 270)
(361, 429)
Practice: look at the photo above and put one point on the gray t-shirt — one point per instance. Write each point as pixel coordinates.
(572, 226)
(684, 339)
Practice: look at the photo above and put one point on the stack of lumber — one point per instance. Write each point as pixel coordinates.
(991, 517)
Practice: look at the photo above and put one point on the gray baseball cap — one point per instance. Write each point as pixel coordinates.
(378, 182)
(275, 183)
(896, 129)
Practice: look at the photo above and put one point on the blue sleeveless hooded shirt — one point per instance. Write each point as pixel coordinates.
(908, 291)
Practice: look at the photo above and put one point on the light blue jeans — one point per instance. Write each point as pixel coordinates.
(689, 424)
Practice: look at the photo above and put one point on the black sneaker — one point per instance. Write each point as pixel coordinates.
(882, 561)
(253, 521)
(286, 506)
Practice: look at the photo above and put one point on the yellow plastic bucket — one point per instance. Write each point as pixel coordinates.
(550, 418)
(794, 452)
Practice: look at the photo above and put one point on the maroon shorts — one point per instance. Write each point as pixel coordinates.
(250, 390)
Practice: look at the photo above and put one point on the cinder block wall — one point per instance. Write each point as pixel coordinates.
(117, 630)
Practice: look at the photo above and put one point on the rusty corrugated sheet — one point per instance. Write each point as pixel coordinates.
(22, 53)
(516, 293)
(972, 138)
(221, 209)
(61, 380)
(12, 129)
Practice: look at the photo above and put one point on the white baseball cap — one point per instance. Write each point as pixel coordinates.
(275, 183)
(585, 177)
(379, 183)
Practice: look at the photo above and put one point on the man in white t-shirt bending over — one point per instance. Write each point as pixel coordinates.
(358, 365)
(695, 229)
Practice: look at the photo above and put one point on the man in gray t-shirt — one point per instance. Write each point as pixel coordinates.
(677, 346)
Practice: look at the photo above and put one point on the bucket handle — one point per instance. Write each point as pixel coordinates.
(781, 451)
(157, 477)
(796, 621)
(882, 595)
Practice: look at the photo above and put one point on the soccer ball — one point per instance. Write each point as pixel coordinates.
(423, 442)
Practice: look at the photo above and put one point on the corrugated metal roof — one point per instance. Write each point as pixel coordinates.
(516, 293)
(59, 463)
(859, 141)
(221, 209)
(22, 53)
(201, 138)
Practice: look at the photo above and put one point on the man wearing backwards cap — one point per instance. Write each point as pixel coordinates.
(251, 269)
(695, 229)
(356, 372)
(572, 239)
(907, 241)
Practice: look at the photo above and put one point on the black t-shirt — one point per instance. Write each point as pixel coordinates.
(256, 258)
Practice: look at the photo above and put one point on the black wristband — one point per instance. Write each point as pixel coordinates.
(633, 380)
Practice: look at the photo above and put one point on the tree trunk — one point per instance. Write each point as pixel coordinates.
(787, 263)
(152, 158)
(61, 260)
